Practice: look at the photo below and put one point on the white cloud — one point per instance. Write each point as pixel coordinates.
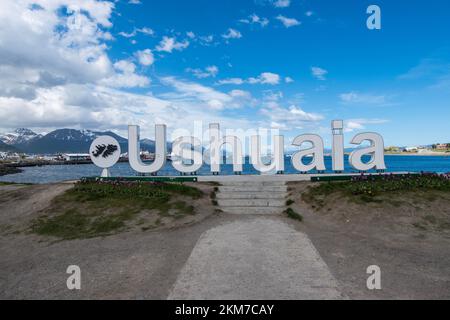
(147, 31)
(203, 40)
(288, 22)
(282, 3)
(144, 30)
(236, 81)
(168, 44)
(55, 72)
(125, 76)
(255, 19)
(360, 124)
(127, 35)
(125, 66)
(232, 34)
(270, 95)
(206, 40)
(264, 78)
(309, 13)
(288, 80)
(76, 51)
(134, 2)
(205, 96)
(319, 73)
(145, 57)
(288, 118)
(210, 71)
(362, 98)
(69, 48)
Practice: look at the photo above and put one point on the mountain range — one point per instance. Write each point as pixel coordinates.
(61, 141)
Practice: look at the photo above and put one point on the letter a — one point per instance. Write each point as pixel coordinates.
(374, 20)
(374, 280)
(74, 280)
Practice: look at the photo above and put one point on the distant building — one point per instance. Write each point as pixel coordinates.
(392, 149)
(442, 146)
(411, 149)
(76, 156)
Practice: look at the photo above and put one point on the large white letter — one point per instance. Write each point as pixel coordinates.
(316, 150)
(277, 163)
(134, 149)
(376, 150)
(337, 155)
(192, 153)
(215, 144)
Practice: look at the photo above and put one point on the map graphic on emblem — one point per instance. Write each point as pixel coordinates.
(105, 151)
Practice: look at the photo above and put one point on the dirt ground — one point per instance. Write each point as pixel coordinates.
(412, 250)
(134, 264)
(408, 237)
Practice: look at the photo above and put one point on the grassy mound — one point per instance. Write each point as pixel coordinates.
(93, 209)
(373, 188)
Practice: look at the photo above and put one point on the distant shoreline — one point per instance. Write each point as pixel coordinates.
(4, 170)
(434, 154)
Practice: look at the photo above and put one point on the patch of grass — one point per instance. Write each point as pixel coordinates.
(373, 189)
(289, 202)
(183, 208)
(430, 218)
(293, 215)
(432, 221)
(92, 209)
(419, 226)
(444, 226)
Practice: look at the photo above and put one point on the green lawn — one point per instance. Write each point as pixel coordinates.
(93, 209)
(367, 189)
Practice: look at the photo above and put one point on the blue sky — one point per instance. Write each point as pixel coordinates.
(292, 65)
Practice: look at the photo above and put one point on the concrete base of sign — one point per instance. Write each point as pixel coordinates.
(106, 173)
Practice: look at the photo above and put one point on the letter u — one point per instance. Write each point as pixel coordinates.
(134, 150)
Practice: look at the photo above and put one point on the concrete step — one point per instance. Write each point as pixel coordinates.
(253, 188)
(252, 183)
(252, 210)
(251, 203)
(251, 195)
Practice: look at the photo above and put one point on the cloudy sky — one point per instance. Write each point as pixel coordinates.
(293, 65)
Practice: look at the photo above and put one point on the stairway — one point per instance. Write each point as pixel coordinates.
(252, 197)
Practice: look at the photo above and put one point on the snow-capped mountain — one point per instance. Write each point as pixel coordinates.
(6, 147)
(67, 140)
(19, 136)
(62, 141)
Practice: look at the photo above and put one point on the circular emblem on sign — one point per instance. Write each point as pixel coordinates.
(104, 151)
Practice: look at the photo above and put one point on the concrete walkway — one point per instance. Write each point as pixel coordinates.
(256, 257)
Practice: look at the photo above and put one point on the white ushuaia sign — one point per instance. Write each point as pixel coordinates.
(188, 154)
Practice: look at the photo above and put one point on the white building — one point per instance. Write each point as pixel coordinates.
(76, 156)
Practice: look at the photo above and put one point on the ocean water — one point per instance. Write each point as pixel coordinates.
(46, 174)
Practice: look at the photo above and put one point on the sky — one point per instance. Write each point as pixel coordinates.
(288, 65)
